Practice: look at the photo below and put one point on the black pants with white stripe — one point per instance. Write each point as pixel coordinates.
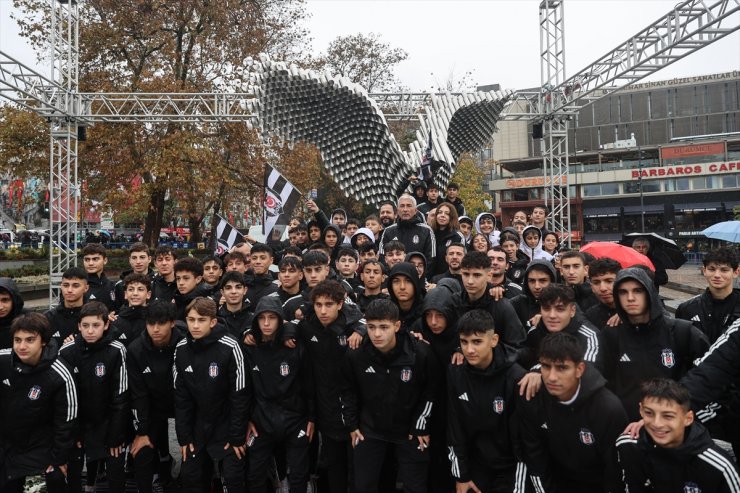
(197, 471)
(413, 465)
(295, 445)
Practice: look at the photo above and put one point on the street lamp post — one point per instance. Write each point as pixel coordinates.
(642, 203)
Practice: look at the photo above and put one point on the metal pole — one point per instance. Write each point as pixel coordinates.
(642, 203)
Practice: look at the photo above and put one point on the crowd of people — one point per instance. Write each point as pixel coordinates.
(419, 348)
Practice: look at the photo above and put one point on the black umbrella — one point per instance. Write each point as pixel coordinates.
(663, 249)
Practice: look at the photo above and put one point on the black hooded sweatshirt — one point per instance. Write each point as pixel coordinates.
(407, 270)
(526, 305)
(212, 392)
(150, 380)
(326, 347)
(443, 346)
(389, 396)
(9, 286)
(482, 428)
(282, 378)
(632, 353)
(570, 447)
(697, 465)
(102, 384)
(599, 314)
(38, 412)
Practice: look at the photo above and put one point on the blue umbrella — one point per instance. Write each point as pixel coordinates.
(727, 230)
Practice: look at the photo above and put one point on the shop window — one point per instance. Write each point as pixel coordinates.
(610, 189)
(714, 182)
(729, 181)
(591, 190)
(698, 183)
(650, 186)
(631, 186)
(601, 224)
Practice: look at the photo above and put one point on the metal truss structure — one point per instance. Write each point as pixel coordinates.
(554, 142)
(688, 27)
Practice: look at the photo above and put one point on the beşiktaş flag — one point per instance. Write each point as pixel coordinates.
(227, 236)
(281, 197)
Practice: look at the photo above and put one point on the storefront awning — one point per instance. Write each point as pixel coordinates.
(601, 212)
(698, 207)
(649, 209)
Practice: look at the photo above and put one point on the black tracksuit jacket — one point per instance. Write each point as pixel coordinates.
(130, 324)
(578, 326)
(237, 323)
(416, 235)
(717, 370)
(570, 448)
(38, 413)
(213, 392)
(163, 290)
(150, 380)
(64, 322)
(101, 289)
(599, 315)
(663, 347)
(482, 425)
(326, 347)
(709, 315)
(585, 297)
(8, 285)
(507, 324)
(282, 378)
(696, 466)
(389, 397)
(102, 384)
(259, 286)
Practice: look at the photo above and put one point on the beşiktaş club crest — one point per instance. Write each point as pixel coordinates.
(34, 393)
(213, 370)
(415, 239)
(667, 358)
(100, 370)
(342, 340)
(586, 437)
(273, 203)
(498, 405)
(284, 369)
(691, 488)
(406, 374)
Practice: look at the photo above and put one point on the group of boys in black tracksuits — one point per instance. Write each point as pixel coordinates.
(438, 387)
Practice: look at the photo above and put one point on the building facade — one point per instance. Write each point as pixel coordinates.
(664, 154)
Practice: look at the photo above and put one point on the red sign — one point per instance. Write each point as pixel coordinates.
(678, 152)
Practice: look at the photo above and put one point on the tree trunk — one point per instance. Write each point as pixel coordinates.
(194, 224)
(153, 223)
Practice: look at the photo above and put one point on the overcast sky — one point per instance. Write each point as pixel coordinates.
(498, 40)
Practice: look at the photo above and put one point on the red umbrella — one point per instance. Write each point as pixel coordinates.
(627, 256)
